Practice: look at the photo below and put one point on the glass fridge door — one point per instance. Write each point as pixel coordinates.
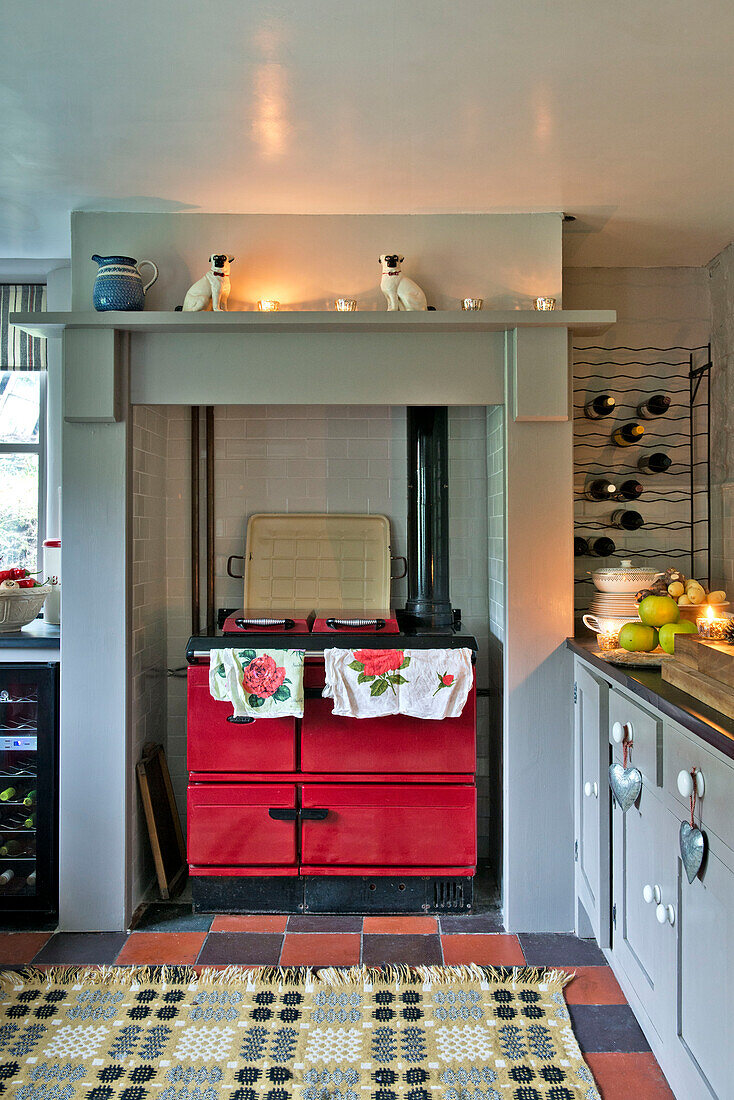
(27, 787)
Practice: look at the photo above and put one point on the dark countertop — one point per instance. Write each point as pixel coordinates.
(37, 635)
(648, 684)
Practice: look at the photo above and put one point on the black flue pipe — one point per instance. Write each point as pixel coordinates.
(428, 605)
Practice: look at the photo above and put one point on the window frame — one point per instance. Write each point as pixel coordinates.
(39, 449)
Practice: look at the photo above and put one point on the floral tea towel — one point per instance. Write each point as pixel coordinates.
(259, 683)
(424, 683)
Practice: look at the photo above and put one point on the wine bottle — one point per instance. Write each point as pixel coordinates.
(7, 795)
(30, 822)
(657, 405)
(628, 435)
(30, 798)
(627, 519)
(601, 405)
(580, 547)
(31, 880)
(602, 547)
(600, 489)
(629, 490)
(7, 877)
(656, 463)
(11, 847)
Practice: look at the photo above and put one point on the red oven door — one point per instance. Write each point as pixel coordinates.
(241, 825)
(217, 743)
(345, 827)
(397, 744)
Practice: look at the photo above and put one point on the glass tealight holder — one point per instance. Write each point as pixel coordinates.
(268, 305)
(345, 305)
(544, 303)
(471, 304)
(712, 629)
(607, 640)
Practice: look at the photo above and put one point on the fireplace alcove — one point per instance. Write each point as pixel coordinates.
(516, 360)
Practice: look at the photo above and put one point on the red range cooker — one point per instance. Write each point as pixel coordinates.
(324, 813)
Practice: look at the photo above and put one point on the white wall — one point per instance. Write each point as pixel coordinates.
(657, 308)
(721, 272)
(305, 261)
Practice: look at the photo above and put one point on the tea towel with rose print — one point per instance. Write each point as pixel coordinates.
(424, 683)
(259, 683)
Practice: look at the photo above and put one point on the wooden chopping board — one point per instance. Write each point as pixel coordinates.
(705, 670)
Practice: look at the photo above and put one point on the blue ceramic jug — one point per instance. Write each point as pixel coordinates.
(118, 284)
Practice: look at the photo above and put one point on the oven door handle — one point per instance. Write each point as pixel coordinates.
(316, 813)
(236, 557)
(283, 813)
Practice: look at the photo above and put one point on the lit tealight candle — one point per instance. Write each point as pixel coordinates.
(608, 638)
(544, 303)
(711, 628)
(268, 305)
(345, 305)
(472, 304)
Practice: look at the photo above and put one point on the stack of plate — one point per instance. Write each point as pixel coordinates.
(619, 608)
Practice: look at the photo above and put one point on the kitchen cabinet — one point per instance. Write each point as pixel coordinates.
(671, 942)
(592, 804)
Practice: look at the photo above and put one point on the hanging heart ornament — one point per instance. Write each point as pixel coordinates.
(692, 848)
(626, 784)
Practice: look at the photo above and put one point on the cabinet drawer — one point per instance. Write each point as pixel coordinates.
(389, 825)
(216, 744)
(647, 734)
(397, 743)
(682, 752)
(230, 825)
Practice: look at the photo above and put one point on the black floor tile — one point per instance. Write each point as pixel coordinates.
(324, 922)
(554, 949)
(473, 922)
(607, 1028)
(254, 948)
(161, 917)
(413, 950)
(82, 947)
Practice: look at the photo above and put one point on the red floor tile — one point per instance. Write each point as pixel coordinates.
(265, 922)
(491, 949)
(594, 985)
(320, 949)
(157, 948)
(391, 926)
(621, 1076)
(18, 948)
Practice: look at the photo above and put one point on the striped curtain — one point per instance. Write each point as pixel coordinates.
(18, 350)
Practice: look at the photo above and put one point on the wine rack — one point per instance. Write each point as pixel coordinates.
(676, 504)
(28, 801)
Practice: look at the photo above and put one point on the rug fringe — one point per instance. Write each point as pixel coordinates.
(333, 977)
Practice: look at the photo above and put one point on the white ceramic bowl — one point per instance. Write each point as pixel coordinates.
(624, 578)
(19, 606)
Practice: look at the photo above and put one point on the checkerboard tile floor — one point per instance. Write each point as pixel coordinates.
(607, 1031)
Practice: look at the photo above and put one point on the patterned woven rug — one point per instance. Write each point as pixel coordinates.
(398, 1033)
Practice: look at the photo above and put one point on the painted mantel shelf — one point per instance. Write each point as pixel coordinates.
(578, 321)
(519, 357)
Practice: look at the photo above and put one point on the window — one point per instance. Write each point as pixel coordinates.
(22, 467)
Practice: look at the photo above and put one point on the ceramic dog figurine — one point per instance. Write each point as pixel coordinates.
(212, 287)
(400, 291)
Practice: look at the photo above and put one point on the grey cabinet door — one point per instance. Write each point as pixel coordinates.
(644, 948)
(592, 801)
(704, 1005)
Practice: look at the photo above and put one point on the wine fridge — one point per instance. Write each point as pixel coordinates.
(28, 789)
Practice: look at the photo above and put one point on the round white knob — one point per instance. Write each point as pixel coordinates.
(685, 784)
(665, 914)
(596, 790)
(700, 784)
(651, 893)
(618, 733)
(587, 789)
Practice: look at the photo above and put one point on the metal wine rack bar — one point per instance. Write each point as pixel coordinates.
(683, 432)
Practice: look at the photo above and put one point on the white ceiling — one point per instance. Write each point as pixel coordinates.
(619, 112)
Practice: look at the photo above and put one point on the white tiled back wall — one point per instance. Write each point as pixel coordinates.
(292, 458)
